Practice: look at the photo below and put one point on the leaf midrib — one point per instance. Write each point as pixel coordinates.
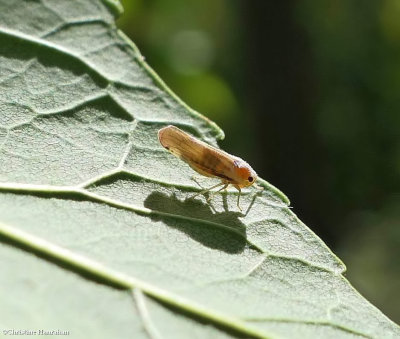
(123, 280)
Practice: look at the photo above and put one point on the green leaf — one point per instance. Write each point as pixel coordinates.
(100, 235)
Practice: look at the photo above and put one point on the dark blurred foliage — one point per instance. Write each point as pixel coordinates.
(309, 93)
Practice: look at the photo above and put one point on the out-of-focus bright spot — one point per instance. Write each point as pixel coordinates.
(208, 94)
(390, 21)
(190, 52)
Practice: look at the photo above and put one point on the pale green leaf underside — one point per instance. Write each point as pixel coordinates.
(97, 220)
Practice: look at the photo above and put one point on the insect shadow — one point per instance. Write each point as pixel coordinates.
(223, 231)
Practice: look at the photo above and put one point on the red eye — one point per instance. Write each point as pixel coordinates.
(250, 179)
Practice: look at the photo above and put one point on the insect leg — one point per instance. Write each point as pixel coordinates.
(213, 193)
(195, 179)
(240, 192)
(208, 189)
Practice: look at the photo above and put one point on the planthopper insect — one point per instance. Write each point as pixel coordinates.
(208, 160)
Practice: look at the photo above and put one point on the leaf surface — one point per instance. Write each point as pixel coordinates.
(98, 220)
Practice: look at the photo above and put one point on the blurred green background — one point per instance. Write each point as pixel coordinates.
(308, 92)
